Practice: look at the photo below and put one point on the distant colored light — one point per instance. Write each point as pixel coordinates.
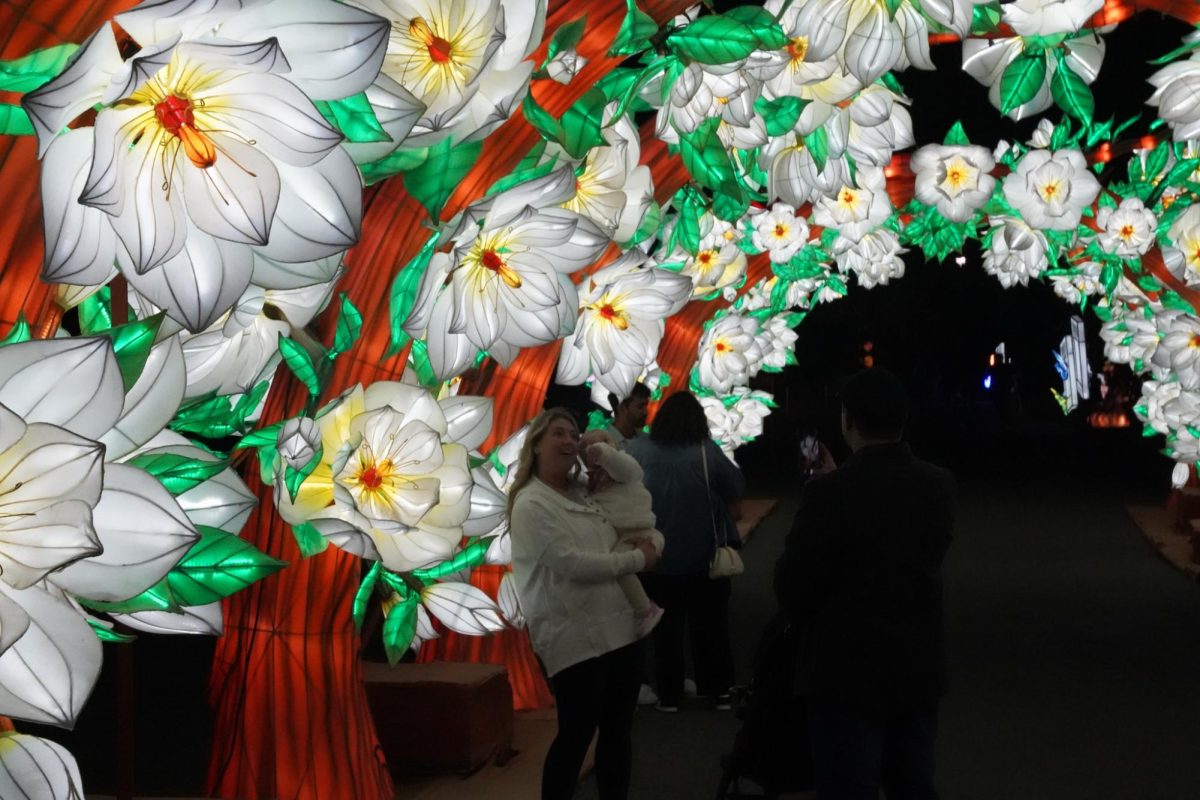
(992, 360)
(987, 382)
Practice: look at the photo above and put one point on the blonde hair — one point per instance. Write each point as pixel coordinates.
(527, 460)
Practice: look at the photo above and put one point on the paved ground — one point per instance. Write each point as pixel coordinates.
(1074, 649)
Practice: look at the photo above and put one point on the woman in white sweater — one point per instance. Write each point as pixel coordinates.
(581, 625)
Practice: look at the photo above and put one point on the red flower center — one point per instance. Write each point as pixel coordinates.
(370, 478)
(173, 113)
(492, 261)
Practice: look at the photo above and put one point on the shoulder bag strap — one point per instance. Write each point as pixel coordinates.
(712, 509)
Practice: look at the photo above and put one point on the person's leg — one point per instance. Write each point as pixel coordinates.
(708, 625)
(614, 750)
(665, 590)
(579, 708)
(908, 755)
(847, 754)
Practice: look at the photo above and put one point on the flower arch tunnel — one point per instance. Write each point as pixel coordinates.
(652, 192)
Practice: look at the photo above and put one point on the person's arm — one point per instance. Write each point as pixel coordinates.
(803, 573)
(539, 532)
(621, 467)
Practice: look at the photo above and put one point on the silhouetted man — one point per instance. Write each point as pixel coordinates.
(861, 577)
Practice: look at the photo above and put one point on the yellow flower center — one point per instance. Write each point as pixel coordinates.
(1126, 232)
(780, 230)
(797, 50)
(721, 347)
(1050, 191)
(608, 312)
(485, 261)
(848, 198)
(440, 50)
(372, 475)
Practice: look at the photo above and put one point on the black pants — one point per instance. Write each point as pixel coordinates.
(700, 606)
(853, 756)
(598, 693)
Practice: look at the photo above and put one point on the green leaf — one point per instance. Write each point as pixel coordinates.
(24, 74)
(686, 233)
(762, 22)
(95, 312)
(1176, 176)
(131, 345)
(363, 596)
(817, 143)
(1178, 52)
(636, 30)
(730, 205)
(418, 359)
(19, 332)
(354, 117)
(218, 417)
(780, 114)
(705, 157)
(1070, 92)
(349, 327)
(177, 473)
(14, 121)
(292, 478)
(986, 18)
(216, 566)
(581, 124)
(566, 37)
(404, 293)
(157, 598)
(267, 436)
(1021, 80)
(300, 363)
(438, 176)
(469, 557)
(541, 120)
(715, 39)
(399, 628)
(309, 539)
(394, 163)
(956, 136)
(106, 634)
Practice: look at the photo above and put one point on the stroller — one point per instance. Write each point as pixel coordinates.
(772, 747)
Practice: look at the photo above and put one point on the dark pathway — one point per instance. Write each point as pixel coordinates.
(1074, 650)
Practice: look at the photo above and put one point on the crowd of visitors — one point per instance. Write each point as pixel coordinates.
(616, 544)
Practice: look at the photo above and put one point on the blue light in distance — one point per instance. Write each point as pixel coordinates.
(987, 382)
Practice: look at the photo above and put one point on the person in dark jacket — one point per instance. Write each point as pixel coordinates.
(693, 515)
(861, 576)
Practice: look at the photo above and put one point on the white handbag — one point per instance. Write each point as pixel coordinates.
(725, 561)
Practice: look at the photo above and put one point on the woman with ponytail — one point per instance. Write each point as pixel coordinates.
(582, 626)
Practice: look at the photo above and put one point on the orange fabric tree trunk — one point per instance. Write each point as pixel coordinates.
(291, 713)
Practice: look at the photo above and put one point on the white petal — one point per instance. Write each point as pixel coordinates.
(397, 111)
(80, 241)
(236, 197)
(462, 608)
(223, 501)
(50, 671)
(510, 604)
(34, 374)
(201, 283)
(468, 419)
(272, 274)
(488, 504)
(152, 401)
(272, 112)
(205, 620)
(450, 354)
(14, 621)
(76, 89)
(144, 533)
(335, 50)
(37, 769)
(320, 210)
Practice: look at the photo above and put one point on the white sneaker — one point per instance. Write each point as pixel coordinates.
(646, 695)
(689, 687)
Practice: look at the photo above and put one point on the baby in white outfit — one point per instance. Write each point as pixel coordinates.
(615, 483)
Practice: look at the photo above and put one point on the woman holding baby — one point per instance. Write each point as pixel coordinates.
(584, 628)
